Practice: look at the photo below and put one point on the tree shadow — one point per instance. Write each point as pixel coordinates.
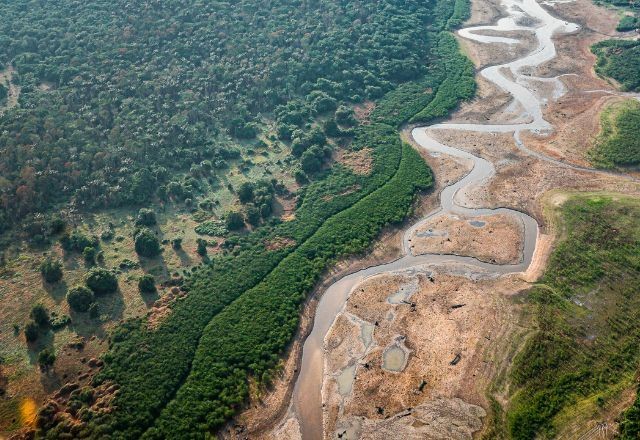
(57, 291)
(149, 298)
(185, 259)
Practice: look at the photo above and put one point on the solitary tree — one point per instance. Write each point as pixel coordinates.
(102, 281)
(234, 221)
(146, 243)
(89, 253)
(40, 315)
(245, 192)
(146, 217)
(147, 284)
(51, 270)
(80, 298)
(202, 247)
(46, 358)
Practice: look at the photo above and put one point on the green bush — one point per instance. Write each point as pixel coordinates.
(89, 254)
(146, 217)
(147, 284)
(214, 228)
(80, 298)
(46, 359)
(102, 281)
(40, 315)
(146, 243)
(51, 270)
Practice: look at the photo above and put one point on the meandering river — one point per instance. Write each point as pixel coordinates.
(513, 77)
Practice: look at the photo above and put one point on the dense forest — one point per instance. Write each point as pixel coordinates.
(587, 325)
(147, 91)
(620, 60)
(119, 99)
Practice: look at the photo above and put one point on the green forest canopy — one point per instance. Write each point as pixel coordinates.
(139, 91)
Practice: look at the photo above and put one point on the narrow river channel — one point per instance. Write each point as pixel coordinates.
(512, 77)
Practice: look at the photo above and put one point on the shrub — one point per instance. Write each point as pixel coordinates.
(77, 241)
(46, 358)
(212, 227)
(80, 298)
(40, 315)
(253, 216)
(345, 116)
(146, 243)
(202, 247)
(59, 321)
(234, 221)
(102, 281)
(51, 270)
(147, 284)
(146, 217)
(89, 253)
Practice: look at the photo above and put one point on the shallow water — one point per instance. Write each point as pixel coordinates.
(307, 400)
(394, 358)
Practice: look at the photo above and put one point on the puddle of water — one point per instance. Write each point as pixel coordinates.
(394, 358)
(345, 380)
(403, 293)
(431, 233)
(477, 223)
(366, 333)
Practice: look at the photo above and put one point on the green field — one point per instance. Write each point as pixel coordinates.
(586, 317)
(618, 143)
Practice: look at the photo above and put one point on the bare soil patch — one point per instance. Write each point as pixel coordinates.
(360, 161)
(495, 239)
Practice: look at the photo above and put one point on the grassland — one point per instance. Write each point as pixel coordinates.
(586, 317)
(618, 143)
(22, 286)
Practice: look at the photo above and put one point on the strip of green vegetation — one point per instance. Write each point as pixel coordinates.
(449, 81)
(587, 311)
(619, 141)
(620, 60)
(242, 308)
(456, 72)
(247, 336)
